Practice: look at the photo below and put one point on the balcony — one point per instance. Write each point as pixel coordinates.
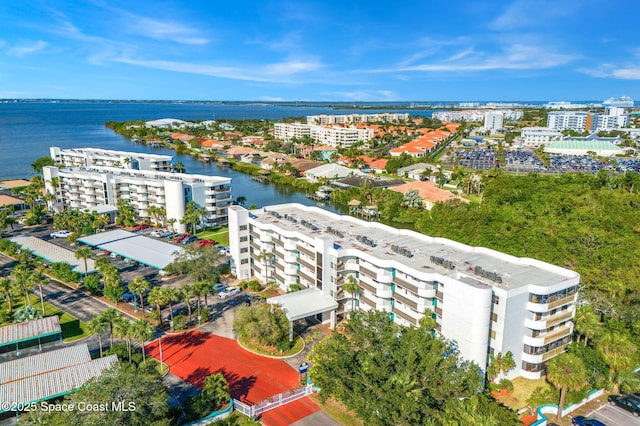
(306, 251)
(546, 307)
(554, 352)
(428, 293)
(290, 270)
(438, 311)
(384, 278)
(559, 317)
(290, 245)
(265, 237)
(368, 272)
(367, 287)
(439, 295)
(254, 234)
(404, 315)
(306, 264)
(404, 284)
(405, 300)
(367, 302)
(306, 277)
(290, 257)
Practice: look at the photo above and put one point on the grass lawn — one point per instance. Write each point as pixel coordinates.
(522, 390)
(72, 328)
(221, 235)
(337, 411)
(297, 347)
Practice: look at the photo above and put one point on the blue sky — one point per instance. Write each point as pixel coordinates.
(320, 50)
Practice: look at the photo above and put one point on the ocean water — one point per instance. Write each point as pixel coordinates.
(28, 129)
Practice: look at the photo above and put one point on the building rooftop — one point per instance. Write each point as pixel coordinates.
(28, 330)
(417, 251)
(582, 144)
(99, 172)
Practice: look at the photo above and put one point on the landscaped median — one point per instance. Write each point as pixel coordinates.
(270, 351)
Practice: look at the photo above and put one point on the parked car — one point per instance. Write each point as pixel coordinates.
(189, 239)
(630, 403)
(218, 287)
(586, 421)
(60, 234)
(229, 292)
(180, 237)
(204, 243)
(141, 226)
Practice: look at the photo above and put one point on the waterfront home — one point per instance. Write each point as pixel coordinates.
(330, 171)
(366, 180)
(428, 192)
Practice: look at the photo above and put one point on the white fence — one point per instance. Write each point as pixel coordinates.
(273, 402)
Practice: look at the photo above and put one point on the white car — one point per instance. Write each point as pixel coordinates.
(228, 292)
(60, 234)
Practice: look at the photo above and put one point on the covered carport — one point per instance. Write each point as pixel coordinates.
(145, 250)
(28, 331)
(305, 303)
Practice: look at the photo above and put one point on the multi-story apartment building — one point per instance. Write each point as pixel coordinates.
(581, 121)
(493, 120)
(476, 115)
(333, 136)
(482, 300)
(89, 157)
(535, 136)
(325, 120)
(94, 187)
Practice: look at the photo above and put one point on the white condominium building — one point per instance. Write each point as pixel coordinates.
(386, 117)
(581, 121)
(95, 187)
(333, 136)
(482, 300)
(88, 157)
(476, 115)
(493, 120)
(535, 136)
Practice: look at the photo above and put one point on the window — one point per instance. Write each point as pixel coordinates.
(244, 261)
(243, 227)
(244, 239)
(495, 300)
(494, 317)
(244, 250)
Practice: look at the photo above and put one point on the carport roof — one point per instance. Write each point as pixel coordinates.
(304, 303)
(106, 237)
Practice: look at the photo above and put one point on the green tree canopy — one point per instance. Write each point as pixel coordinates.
(388, 374)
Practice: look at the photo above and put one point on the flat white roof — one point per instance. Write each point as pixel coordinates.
(53, 253)
(421, 252)
(304, 303)
(149, 251)
(43, 362)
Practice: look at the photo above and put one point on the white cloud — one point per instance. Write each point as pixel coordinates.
(513, 57)
(271, 98)
(281, 72)
(628, 71)
(531, 13)
(164, 31)
(28, 48)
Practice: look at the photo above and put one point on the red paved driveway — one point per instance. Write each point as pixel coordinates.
(194, 355)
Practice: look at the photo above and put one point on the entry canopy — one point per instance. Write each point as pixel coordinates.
(304, 303)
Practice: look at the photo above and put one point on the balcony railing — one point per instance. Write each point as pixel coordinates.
(306, 251)
(405, 284)
(404, 316)
(561, 302)
(554, 352)
(405, 300)
(367, 272)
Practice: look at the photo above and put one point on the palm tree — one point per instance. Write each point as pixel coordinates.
(200, 289)
(10, 220)
(352, 287)
(618, 350)
(241, 200)
(122, 329)
(111, 316)
(158, 297)
(567, 372)
(7, 287)
(186, 293)
(216, 387)
(171, 295)
(39, 279)
(266, 257)
(500, 364)
(139, 286)
(98, 325)
(587, 323)
(21, 276)
(179, 167)
(142, 330)
(83, 253)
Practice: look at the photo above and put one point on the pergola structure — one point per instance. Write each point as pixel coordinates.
(305, 303)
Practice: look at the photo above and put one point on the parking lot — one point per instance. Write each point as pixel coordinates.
(614, 416)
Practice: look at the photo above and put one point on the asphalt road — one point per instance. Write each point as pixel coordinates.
(614, 416)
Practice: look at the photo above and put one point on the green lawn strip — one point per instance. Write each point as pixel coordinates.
(72, 328)
(221, 236)
(337, 411)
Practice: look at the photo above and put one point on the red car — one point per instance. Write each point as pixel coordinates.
(141, 226)
(181, 237)
(203, 243)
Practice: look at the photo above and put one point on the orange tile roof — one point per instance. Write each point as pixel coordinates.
(428, 191)
(379, 164)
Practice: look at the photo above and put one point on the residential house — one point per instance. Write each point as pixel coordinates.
(428, 192)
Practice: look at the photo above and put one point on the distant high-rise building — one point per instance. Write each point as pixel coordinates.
(493, 120)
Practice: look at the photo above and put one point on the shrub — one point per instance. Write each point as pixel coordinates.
(92, 283)
(506, 384)
(294, 287)
(254, 285)
(180, 322)
(262, 323)
(285, 345)
(204, 315)
(63, 272)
